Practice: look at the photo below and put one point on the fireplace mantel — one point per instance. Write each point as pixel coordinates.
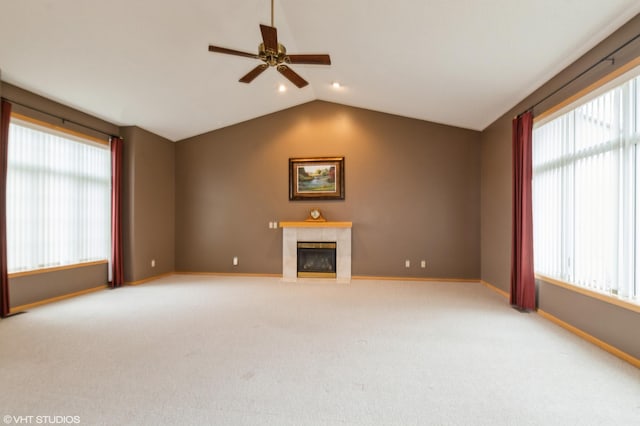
(310, 224)
(316, 231)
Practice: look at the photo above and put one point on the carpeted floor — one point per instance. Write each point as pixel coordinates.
(201, 350)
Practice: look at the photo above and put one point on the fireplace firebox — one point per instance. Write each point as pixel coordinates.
(316, 259)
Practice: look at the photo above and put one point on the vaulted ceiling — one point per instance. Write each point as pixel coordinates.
(146, 63)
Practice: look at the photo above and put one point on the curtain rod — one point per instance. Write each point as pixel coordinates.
(607, 58)
(64, 120)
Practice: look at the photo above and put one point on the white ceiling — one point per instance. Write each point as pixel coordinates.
(146, 63)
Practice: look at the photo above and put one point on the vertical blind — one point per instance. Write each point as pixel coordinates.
(586, 193)
(58, 199)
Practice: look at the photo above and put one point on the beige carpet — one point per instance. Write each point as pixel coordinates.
(198, 350)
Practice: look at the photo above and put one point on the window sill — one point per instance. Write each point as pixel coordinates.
(56, 268)
(622, 303)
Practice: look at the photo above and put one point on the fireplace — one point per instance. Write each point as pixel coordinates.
(316, 259)
(338, 233)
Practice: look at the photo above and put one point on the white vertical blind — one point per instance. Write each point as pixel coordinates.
(58, 199)
(586, 193)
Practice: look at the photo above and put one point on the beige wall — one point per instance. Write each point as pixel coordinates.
(607, 322)
(148, 204)
(412, 192)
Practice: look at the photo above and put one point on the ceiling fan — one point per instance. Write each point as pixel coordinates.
(274, 54)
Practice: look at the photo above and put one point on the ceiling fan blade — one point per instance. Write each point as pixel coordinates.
(232, 52)
(309, 59)
(248, 78)
(269, 37)
(292, 76)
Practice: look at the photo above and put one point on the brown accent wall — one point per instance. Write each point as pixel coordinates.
(148, 204)
(412, 192)
(38, 103)
(607, 322)
(34, 288)
(616, 326)
(496, 181)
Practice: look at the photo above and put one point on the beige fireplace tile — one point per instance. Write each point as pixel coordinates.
(340, 235)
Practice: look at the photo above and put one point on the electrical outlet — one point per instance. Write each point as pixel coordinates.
(407, 263)
(235, 260)
(153, 263)
(423, 264)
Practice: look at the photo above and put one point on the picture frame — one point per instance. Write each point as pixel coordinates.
(320, 178)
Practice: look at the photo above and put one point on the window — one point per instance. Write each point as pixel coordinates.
(586, 192)
(58, 198)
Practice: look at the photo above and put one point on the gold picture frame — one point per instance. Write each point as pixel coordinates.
(319, 178)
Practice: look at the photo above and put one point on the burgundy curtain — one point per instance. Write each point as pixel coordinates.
(523, 286)
(117, 271)
(5, 118)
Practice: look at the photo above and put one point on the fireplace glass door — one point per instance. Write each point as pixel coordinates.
(316, 259)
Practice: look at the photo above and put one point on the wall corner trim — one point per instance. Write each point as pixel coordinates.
(152, 278)
(591, 339)
(229, 274)
(494, 288)
(427, 279)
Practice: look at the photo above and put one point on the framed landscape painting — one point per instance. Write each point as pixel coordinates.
(316, 178)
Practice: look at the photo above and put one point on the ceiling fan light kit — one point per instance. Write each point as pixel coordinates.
(274, 54)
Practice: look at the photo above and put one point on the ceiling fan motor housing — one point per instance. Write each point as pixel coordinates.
(272, 57)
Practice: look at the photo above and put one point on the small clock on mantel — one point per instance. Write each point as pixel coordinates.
(315, 216)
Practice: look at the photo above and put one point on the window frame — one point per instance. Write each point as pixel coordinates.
(79, 137)
(608, 82)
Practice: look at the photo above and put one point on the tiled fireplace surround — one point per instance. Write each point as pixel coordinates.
(338, 232)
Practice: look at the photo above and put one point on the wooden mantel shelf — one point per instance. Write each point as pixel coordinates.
(309, 224)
